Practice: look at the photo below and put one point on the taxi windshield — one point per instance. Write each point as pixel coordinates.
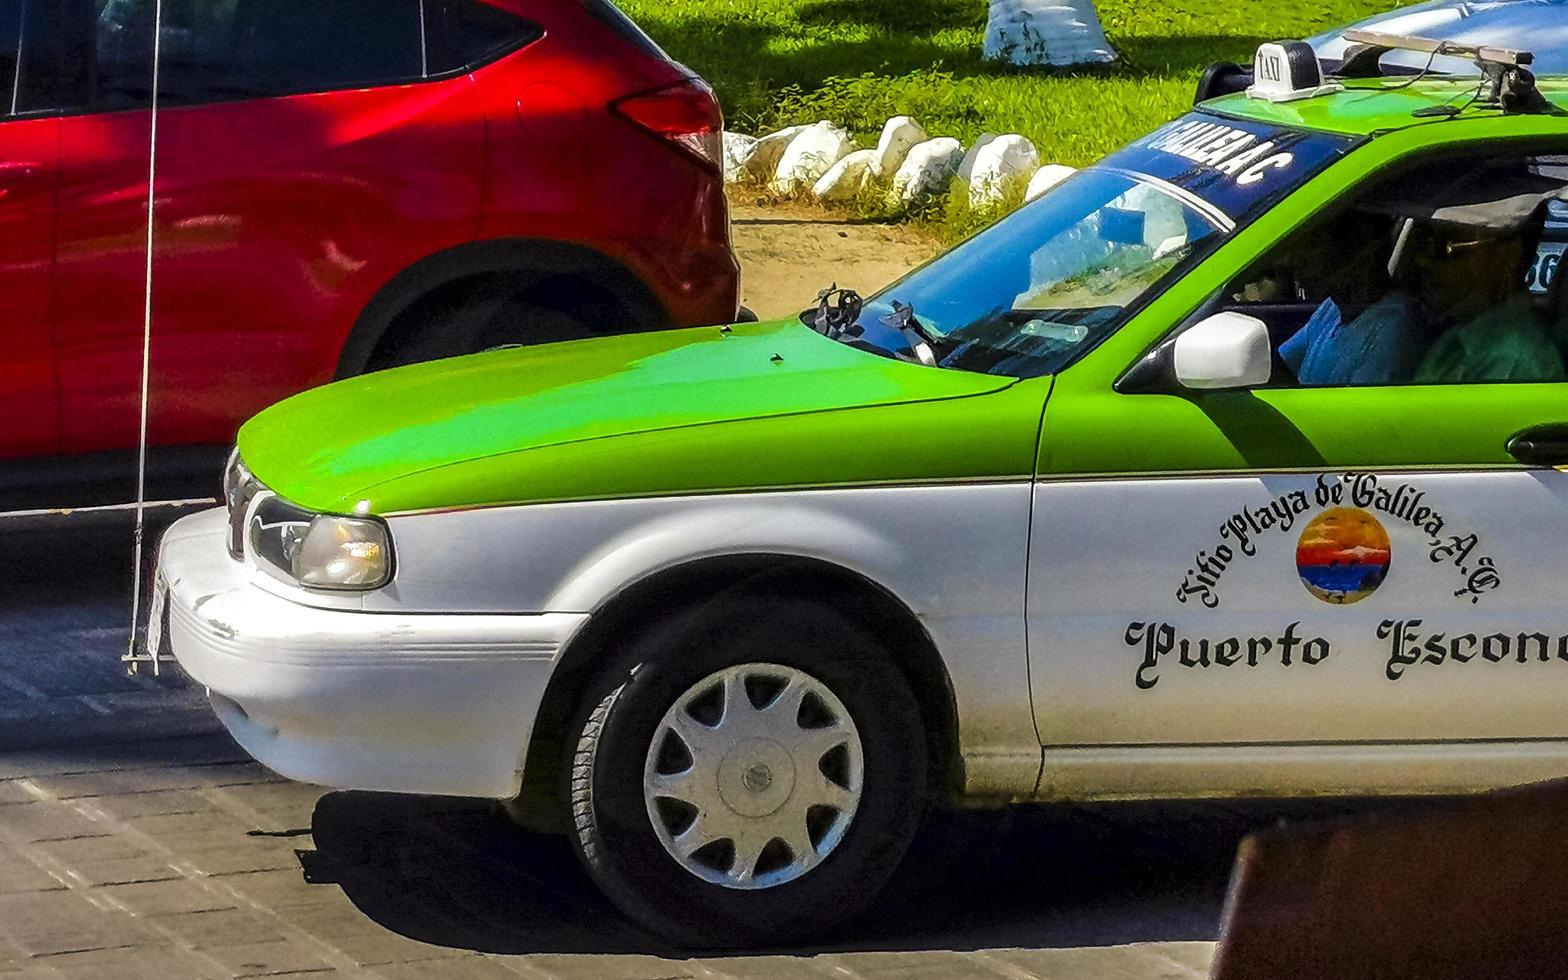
(1031, 293)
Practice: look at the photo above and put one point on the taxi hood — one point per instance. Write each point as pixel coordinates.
(546, 419)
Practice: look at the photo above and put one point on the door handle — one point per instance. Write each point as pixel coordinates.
(1541, 445)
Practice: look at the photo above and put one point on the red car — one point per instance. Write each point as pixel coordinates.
(343, 185)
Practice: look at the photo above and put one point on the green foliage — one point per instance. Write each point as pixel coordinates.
(777, 62)
(857, 62)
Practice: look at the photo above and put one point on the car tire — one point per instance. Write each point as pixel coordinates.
(490, 318)
(810, 678)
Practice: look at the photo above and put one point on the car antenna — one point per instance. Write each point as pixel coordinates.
(135, 656)
(1506, 80)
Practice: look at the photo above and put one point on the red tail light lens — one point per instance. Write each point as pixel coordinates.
(686, 114)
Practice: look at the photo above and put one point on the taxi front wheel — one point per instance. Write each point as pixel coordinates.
(752, 776)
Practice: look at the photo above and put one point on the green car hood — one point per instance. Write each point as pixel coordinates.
(755, 406)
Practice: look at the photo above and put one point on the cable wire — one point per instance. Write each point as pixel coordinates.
(1426, 69)
(139, 534)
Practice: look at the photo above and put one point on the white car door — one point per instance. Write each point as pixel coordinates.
(1342, 628)
(1349, 579)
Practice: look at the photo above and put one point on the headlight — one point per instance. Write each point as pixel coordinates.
(235, 476)
(344, 553)
(322, 551)
(239, 489)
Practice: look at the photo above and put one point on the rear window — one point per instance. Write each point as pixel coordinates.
(464, 34)
(612, 17)
(244, 50)
(10, 52)
(98, 54)
(216, 50)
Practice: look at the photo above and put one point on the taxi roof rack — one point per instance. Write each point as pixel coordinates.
(1506, 81)
(1373, 45)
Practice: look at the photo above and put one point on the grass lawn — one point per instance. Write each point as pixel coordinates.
(856, 62)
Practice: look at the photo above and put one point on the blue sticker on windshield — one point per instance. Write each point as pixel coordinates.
(1233, 164)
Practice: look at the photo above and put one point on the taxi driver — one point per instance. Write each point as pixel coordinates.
(1458, 311)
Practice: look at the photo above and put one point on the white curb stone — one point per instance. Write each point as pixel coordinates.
(738, 148)
(928, 168)
(764, 159)
(967, 168)
(847, 178)
(1001, 168)
(1046, 178)
(809, 156)
(899, 135)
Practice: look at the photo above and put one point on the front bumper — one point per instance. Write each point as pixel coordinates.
(439, 704)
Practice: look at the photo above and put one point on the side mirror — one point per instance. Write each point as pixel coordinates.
(1226, 350)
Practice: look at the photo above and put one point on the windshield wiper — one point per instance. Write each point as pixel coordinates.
(922, 342)
(838, 313)
(838, 318)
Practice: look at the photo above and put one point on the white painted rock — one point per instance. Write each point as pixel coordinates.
(847, 178)
(899, 136)
(738, 148)
(1001, 169)
(928, 168)
(764, 159)
(1046, 178)
(967, 168)
(1046, 32)
(809, 156)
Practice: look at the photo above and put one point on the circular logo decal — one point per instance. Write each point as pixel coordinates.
(1343, 555)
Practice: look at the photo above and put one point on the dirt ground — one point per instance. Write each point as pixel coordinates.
(789, 253)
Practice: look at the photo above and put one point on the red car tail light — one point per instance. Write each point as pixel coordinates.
(686, 114)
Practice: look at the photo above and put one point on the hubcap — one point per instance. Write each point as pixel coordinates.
(753, 776)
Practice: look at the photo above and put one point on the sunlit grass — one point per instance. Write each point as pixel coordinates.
(857, 62)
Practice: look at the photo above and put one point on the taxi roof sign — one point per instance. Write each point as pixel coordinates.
(1285, 71)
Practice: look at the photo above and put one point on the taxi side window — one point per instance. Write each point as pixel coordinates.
(1446, 274)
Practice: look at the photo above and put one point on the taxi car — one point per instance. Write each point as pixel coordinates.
(1067, 513)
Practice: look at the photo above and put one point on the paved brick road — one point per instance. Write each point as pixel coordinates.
(137, 841)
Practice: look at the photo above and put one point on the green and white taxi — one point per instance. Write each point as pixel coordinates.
(1227, 467)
